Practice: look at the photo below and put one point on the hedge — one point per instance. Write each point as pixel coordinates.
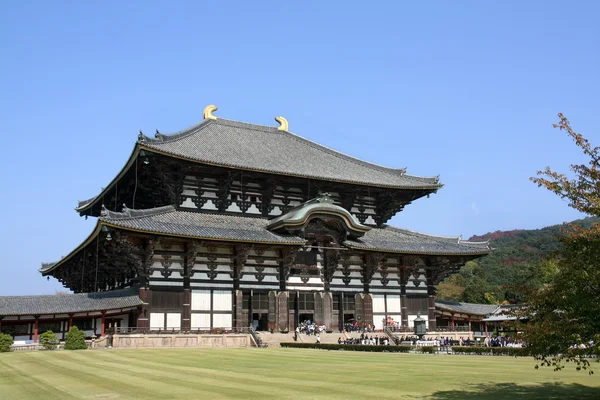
(348, 347)
(6, 341)
(495, 351)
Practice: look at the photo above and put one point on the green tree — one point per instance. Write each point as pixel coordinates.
(565, 313)
(6, 341)
(75, 339)
(49, 340)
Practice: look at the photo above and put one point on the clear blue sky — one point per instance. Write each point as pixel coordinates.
(464, 89)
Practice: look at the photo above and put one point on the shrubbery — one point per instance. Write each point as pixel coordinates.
(49, 340)
(495, 351)
(349, 347)
(75, 340)
(427, 349)
(6, 341)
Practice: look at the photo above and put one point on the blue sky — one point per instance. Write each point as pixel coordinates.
(464, 89)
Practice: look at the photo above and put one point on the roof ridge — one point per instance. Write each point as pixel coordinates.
(170, 137)
(132, 213)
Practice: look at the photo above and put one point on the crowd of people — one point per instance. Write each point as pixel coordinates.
(365, 340)
(310, 328)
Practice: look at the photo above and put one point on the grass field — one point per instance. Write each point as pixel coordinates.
(281, 373)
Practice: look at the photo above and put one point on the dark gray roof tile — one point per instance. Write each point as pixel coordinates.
(467, 308)
(267, 149)
(69, 303)
(398, 240)
(167, 221)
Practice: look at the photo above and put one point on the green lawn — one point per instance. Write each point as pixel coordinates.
(281, 373)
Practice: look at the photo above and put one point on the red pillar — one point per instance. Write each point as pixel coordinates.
(35, 330)
(103, 323)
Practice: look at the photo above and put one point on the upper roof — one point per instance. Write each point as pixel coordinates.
(69, 303)
(466, 308)
(263, 148)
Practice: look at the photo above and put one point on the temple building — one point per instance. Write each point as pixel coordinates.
(228, 224)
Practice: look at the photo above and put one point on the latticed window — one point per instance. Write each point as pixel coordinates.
(336, 302)
(306, 301)
(260, 301)
(83, 324)
(349, 303)
(49, 326)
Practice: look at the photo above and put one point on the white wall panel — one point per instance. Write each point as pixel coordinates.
(393, 303)
(157, 320)
(378, 303)
(200, 300)
(200, 320)
(174, 320)
(222, 300)
(222, 321)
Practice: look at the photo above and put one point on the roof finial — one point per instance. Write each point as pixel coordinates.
(283, 124)
(208, 111)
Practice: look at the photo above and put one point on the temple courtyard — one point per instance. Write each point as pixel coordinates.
(281, 373)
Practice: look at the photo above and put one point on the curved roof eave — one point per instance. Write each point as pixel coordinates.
(86, 204)
(429, 253)
(51, 267)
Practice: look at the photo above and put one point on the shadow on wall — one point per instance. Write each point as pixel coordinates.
(513, 391)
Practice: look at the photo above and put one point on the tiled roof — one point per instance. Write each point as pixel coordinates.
(466, 308)
(267, 149)
(167, 220)
(398, 240)
(69, 303)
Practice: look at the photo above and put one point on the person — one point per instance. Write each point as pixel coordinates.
(318, 339)
(339, 340)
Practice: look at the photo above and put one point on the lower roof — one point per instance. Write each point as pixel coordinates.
(168, 221)
(69, 303)
(466, 308)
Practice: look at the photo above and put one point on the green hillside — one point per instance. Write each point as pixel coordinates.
(521, 261)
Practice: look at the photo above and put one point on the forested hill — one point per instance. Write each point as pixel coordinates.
(521, 260)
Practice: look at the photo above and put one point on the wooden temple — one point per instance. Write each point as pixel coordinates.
(228, 224)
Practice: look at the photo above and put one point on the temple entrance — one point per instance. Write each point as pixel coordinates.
(260, 321)
(306, 317)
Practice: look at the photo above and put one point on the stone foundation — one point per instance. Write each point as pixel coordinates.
(182, 341)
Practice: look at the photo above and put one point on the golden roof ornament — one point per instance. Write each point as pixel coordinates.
(283, 124)
(208, 111)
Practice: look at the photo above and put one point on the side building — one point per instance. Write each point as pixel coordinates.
(229, 225)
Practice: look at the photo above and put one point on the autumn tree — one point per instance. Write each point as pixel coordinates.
(563, 318)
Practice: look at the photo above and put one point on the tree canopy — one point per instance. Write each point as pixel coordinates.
(563, 317)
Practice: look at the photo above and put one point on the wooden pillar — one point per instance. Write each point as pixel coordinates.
(403, 297)
(452, 321)
(430, 300)
(239, 323)
(103, 324)
(143, 321)
(70, 322)
(35, 329)
(186, 318)
(1, 324)
(283, 312)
